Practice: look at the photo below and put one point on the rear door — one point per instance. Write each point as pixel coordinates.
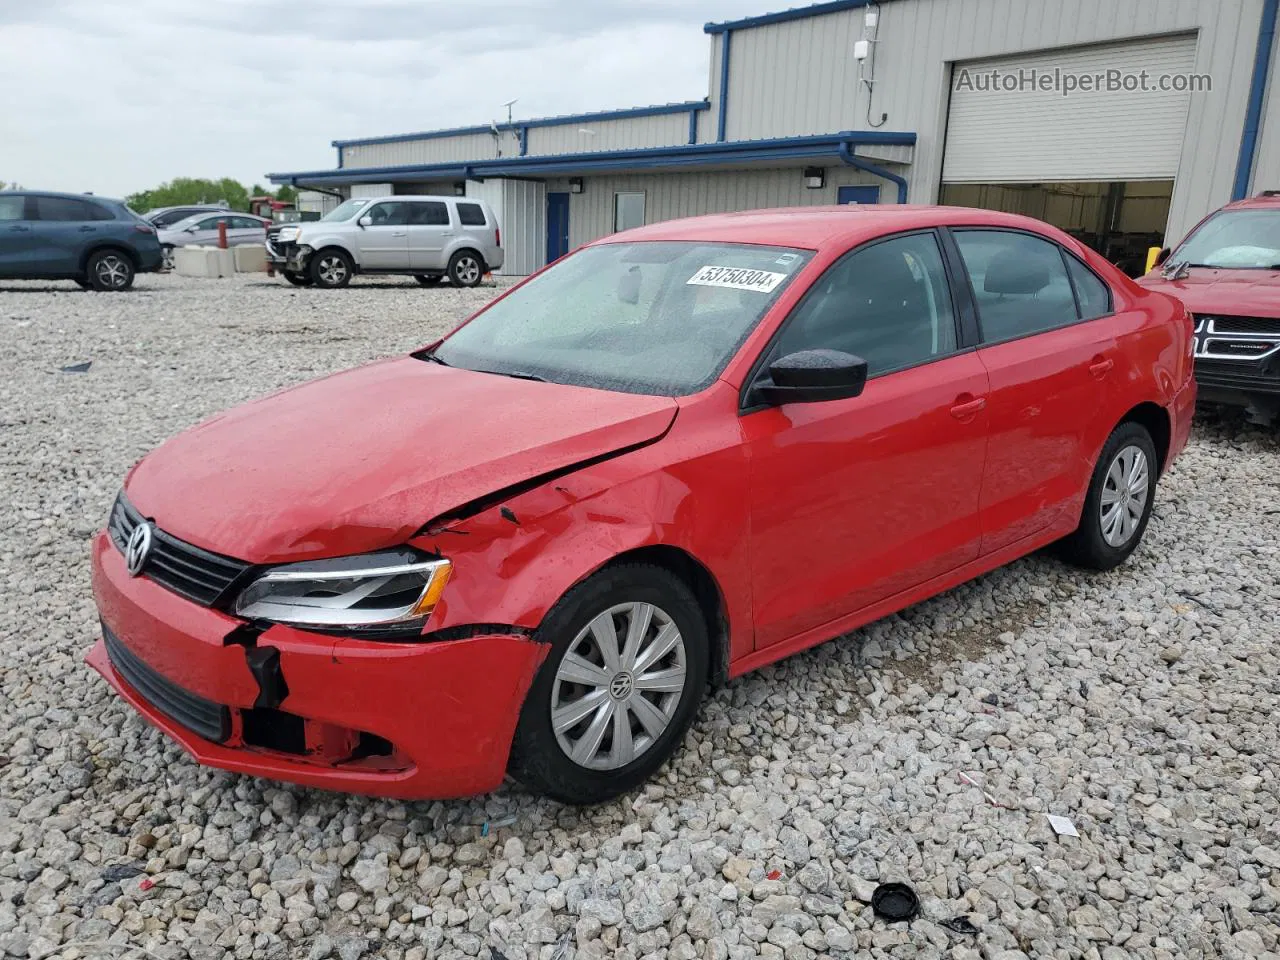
(430, 231)
(245, 230)
(63, 229)
(15, 234)
(1050, 351)
(384, 242)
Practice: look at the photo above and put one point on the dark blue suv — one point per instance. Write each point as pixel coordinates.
(100, 244)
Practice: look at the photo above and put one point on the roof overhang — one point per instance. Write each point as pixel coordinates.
(786, 151)
(786, 16)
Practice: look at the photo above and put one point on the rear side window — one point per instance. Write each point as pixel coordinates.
(1093, 294)
(66, 209)
(1019, 281)
(11, 207)
(245, 223)
(429, 213)
(471, 215)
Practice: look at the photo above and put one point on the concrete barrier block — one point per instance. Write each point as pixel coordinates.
(250, 258)
(207, 262)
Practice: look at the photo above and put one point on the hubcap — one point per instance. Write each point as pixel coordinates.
(332, 270)
(618, 686)
(1124, 496)
(113, 271)
(468, 270)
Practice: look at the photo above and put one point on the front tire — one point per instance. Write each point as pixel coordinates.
(297, 279)
(466, 269)
(618, 689)
(330, 268)
(428, 280)
(109, 271)
(1119, 502)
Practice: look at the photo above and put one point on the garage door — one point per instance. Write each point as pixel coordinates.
(998, 135)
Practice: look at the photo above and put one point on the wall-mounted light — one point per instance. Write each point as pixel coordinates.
(576, 185)
(460, 188)
(815, 178)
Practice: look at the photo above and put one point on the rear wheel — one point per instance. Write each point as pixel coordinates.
(297, 279)
(466, 269)
(330, 268)
(1119, 502)
(166, 253)
(428, 280)
(619, 688)
(109, 270)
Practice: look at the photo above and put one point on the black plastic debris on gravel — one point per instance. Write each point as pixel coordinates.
(895, 902)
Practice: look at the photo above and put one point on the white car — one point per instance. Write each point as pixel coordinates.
(429, 238)
(201, 230)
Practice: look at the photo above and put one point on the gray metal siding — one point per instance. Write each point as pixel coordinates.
(524, 226)
(672, 195)
(662, 130)
(800, 77)
(474, 146)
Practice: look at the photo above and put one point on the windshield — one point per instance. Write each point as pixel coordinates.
(1234, 240)
(659, 318)
(344, 211)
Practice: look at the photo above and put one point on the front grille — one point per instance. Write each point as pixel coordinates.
(1228, 375)
(187, 570)
(1265, 325)
(202, 717)
(1236, 338)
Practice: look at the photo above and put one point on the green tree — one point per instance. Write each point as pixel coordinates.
(182, 191)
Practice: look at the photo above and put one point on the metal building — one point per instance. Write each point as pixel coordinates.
(1121, 121)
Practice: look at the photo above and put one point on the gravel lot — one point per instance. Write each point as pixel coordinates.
(1141, 704)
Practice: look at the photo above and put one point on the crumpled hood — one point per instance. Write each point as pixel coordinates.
(360, 460)
(1241, 293)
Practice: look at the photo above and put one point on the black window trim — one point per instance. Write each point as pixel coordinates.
(953, 228)
(746, 405)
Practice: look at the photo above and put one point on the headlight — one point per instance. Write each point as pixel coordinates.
(289, 233)
(389, 592)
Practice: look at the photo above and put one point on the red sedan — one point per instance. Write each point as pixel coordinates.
(679, 454)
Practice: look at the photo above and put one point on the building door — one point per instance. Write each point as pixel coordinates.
(858, 195)
(557, 226)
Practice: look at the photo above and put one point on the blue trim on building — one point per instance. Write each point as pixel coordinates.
(524, 141)
(783, 16)
(625, 114)
(647, 158)
(1257, 92)
(723, 121)
(693, 126)
(845, 152)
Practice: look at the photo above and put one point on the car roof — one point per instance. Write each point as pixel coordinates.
(422, 196)
(63, 196)
(1264, 201)
(206, 214)
(816, 227)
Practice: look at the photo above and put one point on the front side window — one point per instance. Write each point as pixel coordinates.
(471, 215)
(628, 211)
(343, 211)
(209, 224)
(888, 303)
(1234, 240)
(11, 208)
(1019, 281)
(429, 213)
(661, 318)
(393, 213)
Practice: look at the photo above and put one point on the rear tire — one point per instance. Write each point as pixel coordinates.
(166, 256)
(330, 268)
(466, 269)
(297, 279)
(1119, 502)
(428, 280)
(624, 713)
(109, 271)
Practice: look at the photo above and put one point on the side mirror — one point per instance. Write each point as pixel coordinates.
(365, 222)
(812, 376)
(629, 286)
(1162, 256)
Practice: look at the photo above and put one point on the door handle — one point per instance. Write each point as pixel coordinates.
(968, 406)
(19, 228)
(87, 229)
(1100, 366)
(400, 234)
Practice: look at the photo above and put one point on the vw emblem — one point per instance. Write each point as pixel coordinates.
(620, 686)
(138, 548)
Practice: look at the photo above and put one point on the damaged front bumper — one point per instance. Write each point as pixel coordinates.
(410, 720)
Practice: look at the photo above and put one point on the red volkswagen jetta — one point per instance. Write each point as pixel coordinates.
(681, 453)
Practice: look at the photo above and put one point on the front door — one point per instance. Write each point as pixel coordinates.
(855, 501)
(384, 240)
(15, 235)
(557, 226)
(861, 194)
(429, 234)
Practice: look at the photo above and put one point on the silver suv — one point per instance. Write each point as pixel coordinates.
(429, 238)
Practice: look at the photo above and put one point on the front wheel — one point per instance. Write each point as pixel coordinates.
(466, 269)
(619, 688)
(1119, 502)
(109, 270)
(297, 279)
(330, 269)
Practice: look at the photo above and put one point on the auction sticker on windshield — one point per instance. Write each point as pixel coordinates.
(737, 278)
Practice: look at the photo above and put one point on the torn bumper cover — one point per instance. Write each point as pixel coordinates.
(410, 720)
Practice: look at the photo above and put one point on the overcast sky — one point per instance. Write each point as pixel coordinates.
(116, 96)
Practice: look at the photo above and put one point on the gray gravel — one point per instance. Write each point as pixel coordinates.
(1140, 704)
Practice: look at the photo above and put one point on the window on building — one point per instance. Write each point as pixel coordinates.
(1093, 294)
(67, 209)
(11, 208)
(888, 303)
(1019, 281)
(429, 213)
(471, 214)
(628, 211)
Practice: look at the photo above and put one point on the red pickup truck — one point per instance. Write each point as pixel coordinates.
(1227, 272)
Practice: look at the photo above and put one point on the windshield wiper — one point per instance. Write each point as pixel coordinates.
(432, 358)
(516, 374)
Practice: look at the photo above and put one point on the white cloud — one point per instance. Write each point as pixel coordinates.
(116, 96)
